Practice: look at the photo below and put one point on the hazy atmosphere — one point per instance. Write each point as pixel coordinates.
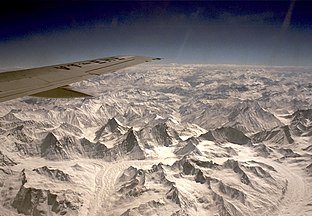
(231, 32)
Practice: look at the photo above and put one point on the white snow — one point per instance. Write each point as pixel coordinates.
(168, 107)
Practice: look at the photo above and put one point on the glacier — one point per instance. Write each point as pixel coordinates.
(163, 139)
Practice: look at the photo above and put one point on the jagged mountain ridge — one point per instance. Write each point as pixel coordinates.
(248, 116)
(215, 139)
(279, 135)
(301, 122)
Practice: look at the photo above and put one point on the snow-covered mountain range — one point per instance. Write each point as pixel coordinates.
(163, 140)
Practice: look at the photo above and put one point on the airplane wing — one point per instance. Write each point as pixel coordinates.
(52, 81)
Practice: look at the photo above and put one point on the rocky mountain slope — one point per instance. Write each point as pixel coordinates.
(163, 140)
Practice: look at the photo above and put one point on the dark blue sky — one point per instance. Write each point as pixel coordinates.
(237, 32)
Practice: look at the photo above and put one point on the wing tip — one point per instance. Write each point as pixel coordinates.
(149, 59)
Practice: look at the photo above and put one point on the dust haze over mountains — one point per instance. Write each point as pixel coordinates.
(163, 140)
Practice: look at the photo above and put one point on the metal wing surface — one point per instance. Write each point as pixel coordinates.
(52, 81)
